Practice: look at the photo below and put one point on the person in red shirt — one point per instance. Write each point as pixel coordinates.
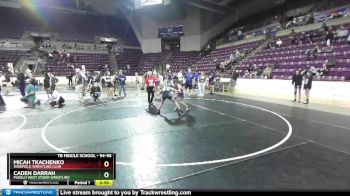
(150, 84)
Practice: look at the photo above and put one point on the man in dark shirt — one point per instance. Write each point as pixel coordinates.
(329, 37)
(121, 82)
(297, 81)
(307, 85)
(189, 79)
(22, 84)
(211, 79)
(233, 81)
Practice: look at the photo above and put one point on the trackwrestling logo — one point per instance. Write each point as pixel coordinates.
(29, 192)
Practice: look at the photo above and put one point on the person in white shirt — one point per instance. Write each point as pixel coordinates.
(137, 80)
(237, 55)
(180, 76)
(80, 84)
(56, 99)
(201, 84)
(342, 32)
(232, 58)
(279, 43)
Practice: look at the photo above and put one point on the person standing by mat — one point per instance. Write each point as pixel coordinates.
(109, 86)
(2, 102)
(196, 76)
(201, 84)
(121, 82)
(115, 83)
(137, 80)
(157, 82)
(80, 81)
(170, 78)
(22, 84)
(211, 81)
(189, 76)
(297, 82)
(53, 81)
(150, 86)
(47, 84)
(233, 80)
(307, 86)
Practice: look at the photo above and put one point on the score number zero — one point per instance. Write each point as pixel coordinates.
(106, 164)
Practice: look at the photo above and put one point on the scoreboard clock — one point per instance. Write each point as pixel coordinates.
(170, 32)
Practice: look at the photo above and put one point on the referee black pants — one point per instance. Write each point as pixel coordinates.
(150, 92)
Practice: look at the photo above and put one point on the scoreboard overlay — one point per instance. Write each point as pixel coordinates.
(61, 168)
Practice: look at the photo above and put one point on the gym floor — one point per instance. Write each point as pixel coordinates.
(224, 142)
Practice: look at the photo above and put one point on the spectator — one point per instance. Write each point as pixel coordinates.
(121, 81)
(224, 64)
(201, 84)
(307, 53)
(53, 81)
(180, 76)
(348, 40)
(115, 83)
(211, 81)
(2, 102)
(267, 72)
(293, 33)
(246, 73)
(196, 78)
(80, 83)
(303, 38)
(310, 69)
(109, 85)
(323, 71)
(70, 79)
(342, 32)
(189, 76)
(47, 84)
(233, 80)
(315, 51)
(329, 37)
(128, 69)
(311, 36)
(232, 58)
(279, 43)
(307, 86)
(238, 55)
(21, 84)
(253, 71)
(170, 78)
(260, 72)
(239, 34)
(324, 27)
(294, 38)
(138, 86)
(297, 82)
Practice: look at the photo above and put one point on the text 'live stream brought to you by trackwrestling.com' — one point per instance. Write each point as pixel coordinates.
(92, 192)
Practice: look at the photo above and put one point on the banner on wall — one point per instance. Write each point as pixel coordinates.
(331, 14)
